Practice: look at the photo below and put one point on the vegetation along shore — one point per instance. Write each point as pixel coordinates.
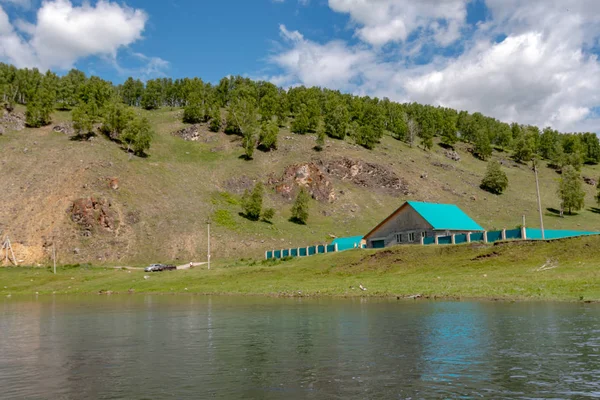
(565, 270)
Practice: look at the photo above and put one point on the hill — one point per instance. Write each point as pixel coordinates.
(103, 206)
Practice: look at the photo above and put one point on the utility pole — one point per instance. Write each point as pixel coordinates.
(54, 252)
(208, 230)
(537, 186)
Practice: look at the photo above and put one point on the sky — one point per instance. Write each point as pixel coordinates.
(527, 61)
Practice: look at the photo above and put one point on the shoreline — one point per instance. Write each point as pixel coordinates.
(566, 271)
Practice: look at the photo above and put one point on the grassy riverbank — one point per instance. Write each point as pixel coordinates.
(561, 270)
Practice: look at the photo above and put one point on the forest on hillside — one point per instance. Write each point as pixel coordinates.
(256, 110)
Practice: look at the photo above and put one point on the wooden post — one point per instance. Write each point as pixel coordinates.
(468, 237)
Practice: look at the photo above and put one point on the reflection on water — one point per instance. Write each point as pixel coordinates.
(136, 347)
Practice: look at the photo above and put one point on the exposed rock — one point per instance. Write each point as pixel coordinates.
(453, 155)
(308, 176)
(368, 175)
(13, 120)
(92, 213)
(113, 183)
(191, 133)
(590, 181)
(65, 127)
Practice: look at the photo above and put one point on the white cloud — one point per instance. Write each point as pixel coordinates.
(541, 73)
(384, 21)
(64, 33)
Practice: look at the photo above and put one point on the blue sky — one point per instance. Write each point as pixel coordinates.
(531, 61)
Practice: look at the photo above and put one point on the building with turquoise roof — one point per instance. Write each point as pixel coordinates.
(414, 221)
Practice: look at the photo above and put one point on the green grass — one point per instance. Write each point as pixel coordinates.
(182, 184)
(508, 271)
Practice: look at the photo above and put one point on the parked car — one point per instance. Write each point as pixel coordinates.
(160, 267)
(154, 268)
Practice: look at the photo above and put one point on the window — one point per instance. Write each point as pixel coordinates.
(411, 237)
(398, 238)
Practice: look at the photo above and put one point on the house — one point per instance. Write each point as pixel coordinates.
(416, 220)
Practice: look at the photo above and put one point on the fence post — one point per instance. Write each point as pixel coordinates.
(307, 251)
(325, 247)
(422, 240)
(485, 239)
(437, 239)
(266, 258)
(335, 247)
(453, 236)
(523, 233)
(503, 234)
(468, 237)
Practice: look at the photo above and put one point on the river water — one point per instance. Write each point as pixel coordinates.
(195, 347)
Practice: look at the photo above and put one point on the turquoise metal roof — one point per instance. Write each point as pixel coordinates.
(348, 243)
(445, 216)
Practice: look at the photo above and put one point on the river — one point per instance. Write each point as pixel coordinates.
(196, 347)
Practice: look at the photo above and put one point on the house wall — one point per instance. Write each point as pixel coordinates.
(404, 222)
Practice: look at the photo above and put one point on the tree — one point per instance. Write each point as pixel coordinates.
(243, 116)
(301, 122)
(570, 191)
(116, 118)
(522, 150)
(193, 112)
(215, 118)
(138, 135)
(365, 136)
(300, 208)
(495, 180)
(320, 142)
(84, 116)
(252, 202)
(268, 214)
(336, 121)
(482, 148)
(267, 139)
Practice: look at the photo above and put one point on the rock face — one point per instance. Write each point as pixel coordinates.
(308, 176)
(590, 181)
(92, 214)
(453, 155)
(12, 120)
(364, 174)
(191, 133)
(64, 127)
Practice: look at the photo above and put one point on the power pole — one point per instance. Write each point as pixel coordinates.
(208, 231)
(54, 252)
(537, 186)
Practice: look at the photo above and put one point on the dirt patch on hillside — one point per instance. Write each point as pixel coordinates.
(239, 185)
(308, 176)
(92, 214)
(364, 174)
(12, 120)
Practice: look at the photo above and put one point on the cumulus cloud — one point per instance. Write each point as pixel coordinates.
(64, 33)
(542, 71)
(383, 21)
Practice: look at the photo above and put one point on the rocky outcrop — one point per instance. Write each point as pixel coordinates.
(12, 120)
(93, 214)
(453, 155)
(191, 133)
(65, 128)
(590, 181)
(364, 174)
(308, 176)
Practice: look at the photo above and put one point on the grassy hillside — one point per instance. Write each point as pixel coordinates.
(164, 200)
(559, 270)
